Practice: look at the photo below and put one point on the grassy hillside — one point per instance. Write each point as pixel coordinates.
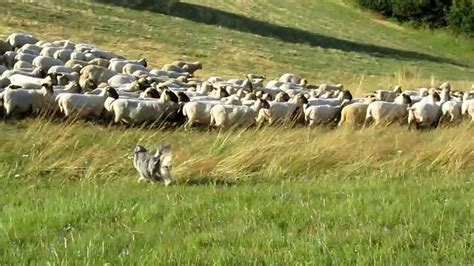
(323, 40)
(68, 191)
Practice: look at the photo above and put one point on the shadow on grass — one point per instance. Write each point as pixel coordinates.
(209, 181)
(212, 16)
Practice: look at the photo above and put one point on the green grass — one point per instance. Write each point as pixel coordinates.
(68, 191)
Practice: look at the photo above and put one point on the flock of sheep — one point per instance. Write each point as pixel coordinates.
(82, 81)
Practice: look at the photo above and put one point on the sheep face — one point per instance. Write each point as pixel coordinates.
(182, 97)
(111, 92)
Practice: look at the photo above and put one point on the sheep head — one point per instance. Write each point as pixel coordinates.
(111, 92)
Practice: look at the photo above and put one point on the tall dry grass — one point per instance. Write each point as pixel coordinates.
(43, 148)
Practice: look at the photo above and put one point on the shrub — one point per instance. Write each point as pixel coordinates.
(461, 16)
(455, 14)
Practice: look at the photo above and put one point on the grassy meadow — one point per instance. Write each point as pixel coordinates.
(270, 196)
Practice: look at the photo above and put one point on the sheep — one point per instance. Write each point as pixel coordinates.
(32, 82)
(46, 63)
(65, 69)
(171, 67)
(73, 62)
(5, 47)
(2, 69)
(468, 95)
(63, 54)
(9, 59)
(198, 112)
(66, 44)
(25, 57)
(139, 111)
(330, 87)
(96, 53)
(65, 78)
(170, 74)
(354, 115)
(24, 100)
(451, 110)
(291, 78)
(426, 113)
(117, 65)
(342, 95)
(120, 80)
(130, 68)
(467, 108)
(223, 116)
(188, 66)
(99, 62)
(283, 111)
(97, 74)
(388, 112)
(324, 114)
(36, 73)
(83, 105)
(50, 51)
(388, 96)
(31, 49)
(17, 40)
(77, 56)
(72, 87)
(22, 64)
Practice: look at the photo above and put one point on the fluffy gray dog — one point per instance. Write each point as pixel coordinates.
(156, 167)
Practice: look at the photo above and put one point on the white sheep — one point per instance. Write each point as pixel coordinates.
(138, 111)
(468, 109)
(324, 114)
(99, 62)
(388, 112)
(97, 74)
(46, 63)
(117, 65)
(5, 47)
(342, 95)
(31, 82)
(49, 51)
(291, 78)
(82, 105)
(17, 40)
(9, 59)
(25, 100)
(23, 65)
(65, 69)
(283, 111)
(224, 116)
(77, 56)
(387, 95)
(2, 69)
(426, 113)
(73, 62)
(63, 54)
(189, 67)
(120, 80)
(130, 68)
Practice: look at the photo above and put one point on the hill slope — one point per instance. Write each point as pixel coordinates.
(68, 191)
(323, 40)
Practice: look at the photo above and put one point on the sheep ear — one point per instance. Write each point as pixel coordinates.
(164, 154)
